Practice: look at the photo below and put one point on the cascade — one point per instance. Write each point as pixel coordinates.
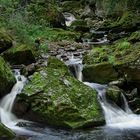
(6, 105)
(69, 18)
(115, 116)
(76, 63)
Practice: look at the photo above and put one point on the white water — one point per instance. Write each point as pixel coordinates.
(69, 18)
(115, 116)
(77, 64)
(6, 105)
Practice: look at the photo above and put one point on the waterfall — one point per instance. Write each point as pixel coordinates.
(6, 104)
(115, 116)
(76, 63)
(69, 18)
(126, 106)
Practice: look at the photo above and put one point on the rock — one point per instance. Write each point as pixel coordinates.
(134, 100)
(100, 73)
(113, 95)
(87, 13)
(6, 133)
(135, 104)
(6, 77)
(119, 83)
(55, 97)
(22, 54)
(80, 25)
(5, 41)
(28, 70)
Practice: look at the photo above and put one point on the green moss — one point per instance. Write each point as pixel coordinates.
(56, 34)
(113, 94)
(71, 6)
(5, 41)
(22, 54)
(128, 20)
(6, 132)
(59, 99)
(135, 36)
(100, 73)
(6, 77)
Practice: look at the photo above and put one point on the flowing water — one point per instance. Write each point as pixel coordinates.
(69, 18)
(6, 105)
(121, 124)
(115, 116)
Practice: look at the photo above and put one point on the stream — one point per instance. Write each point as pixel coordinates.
(120, 124)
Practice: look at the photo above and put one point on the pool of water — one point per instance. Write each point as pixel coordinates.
(100, 133)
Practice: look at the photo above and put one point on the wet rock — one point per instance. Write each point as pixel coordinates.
(135, 104)
(6, 77)
(22, 54)
(28, 70)
(113, 95)
(80, 25)
(100, 73)
(58, 99)
(119, 83)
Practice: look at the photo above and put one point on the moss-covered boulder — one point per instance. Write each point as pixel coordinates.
(114, 95)
(6, 133)
(80, 25)
(6, 77)
(22, 54)
(5, 41)
(55, 97)
(100, 73)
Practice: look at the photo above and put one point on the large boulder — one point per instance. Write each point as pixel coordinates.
(6, 133)
(55, 97)
(100, 73)
(22, 54)
(5, 41)
(6, 77)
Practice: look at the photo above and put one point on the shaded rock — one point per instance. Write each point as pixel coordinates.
(55, 97)
(6, 77)
(22, 54)
(100, 73)
(28, 70)
(135, 104)
(6, 133)
(5, 41)
(80, 25)
(119, 83)
(113, 95)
